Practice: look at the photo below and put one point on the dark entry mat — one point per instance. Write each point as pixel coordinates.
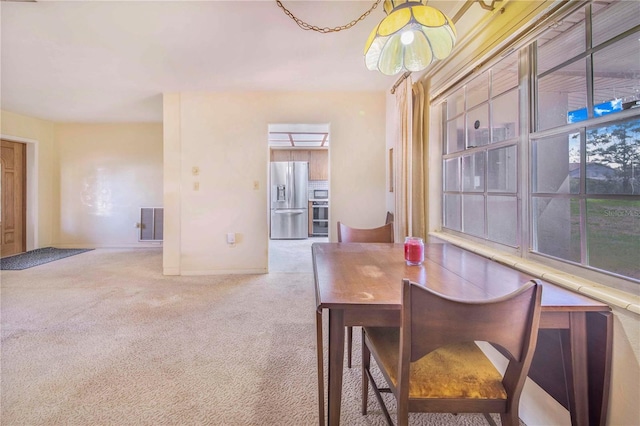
(36, 257)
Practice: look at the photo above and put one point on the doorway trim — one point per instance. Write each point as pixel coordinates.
(32, 146)
(302, 135)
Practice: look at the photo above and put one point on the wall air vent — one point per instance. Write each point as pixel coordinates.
(150, 224)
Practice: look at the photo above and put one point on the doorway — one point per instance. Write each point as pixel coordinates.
(310, 144)
(13, 190)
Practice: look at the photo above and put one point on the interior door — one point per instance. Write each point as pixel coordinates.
(13, 198)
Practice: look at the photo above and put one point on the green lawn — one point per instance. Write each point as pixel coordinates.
(613, 236)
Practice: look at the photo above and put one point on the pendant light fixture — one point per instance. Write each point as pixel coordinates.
(412, 36)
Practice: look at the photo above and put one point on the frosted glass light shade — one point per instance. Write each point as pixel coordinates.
(433, 38)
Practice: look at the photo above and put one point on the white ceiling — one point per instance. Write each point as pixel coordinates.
(110, 61)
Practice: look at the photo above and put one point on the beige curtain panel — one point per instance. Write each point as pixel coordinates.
(419, 162)
(402, 154)
(410, 161)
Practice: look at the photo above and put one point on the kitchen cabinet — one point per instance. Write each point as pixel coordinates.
(318, 160)
(319, 164)
(300, 155)
(290, 155)
(280, 155)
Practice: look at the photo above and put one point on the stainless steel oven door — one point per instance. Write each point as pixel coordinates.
(321, 228)
(320, 212)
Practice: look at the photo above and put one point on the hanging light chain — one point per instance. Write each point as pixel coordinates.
(325, 30)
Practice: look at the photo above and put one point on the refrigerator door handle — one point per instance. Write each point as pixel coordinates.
(292, 183)
(300, 211)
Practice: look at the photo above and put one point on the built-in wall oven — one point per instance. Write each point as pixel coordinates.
(320, 218)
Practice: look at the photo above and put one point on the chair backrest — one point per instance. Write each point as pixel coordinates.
(382, 234)
(389, 218)
(431, 320)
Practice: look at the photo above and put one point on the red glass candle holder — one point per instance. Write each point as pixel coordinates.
(413, 250)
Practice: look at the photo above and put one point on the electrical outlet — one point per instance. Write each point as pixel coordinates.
(196, 186)
(231, 238)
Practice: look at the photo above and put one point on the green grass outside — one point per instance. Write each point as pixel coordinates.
(613, 236)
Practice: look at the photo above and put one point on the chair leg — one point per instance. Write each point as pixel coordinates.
(403, 419)
(510, 419)
(349, 345)
(366, 364)
(366, 377)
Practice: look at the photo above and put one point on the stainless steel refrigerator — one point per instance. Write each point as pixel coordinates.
(289, 200)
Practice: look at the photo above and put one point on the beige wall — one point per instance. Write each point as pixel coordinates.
(106, 173)
(42, 189)
(72, 168)
(225, 136)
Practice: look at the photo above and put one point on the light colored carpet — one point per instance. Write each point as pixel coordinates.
(103, 338)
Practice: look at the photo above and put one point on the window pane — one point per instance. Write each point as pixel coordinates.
(562, 96)
(502, 219)
(556, 164)
(616, 76)
(504, 75)
(557, 227)
(452, 174)
(505, 116)
(455, 135)
(473, 171)
(478, 126)
(613, 159)
(502, 176)
(455, 103)
(613, 236)
(478, 90)
(473, 212)
(563, 42)
(452, 212)
(615, 19)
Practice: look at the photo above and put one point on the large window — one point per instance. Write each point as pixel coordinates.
(481, 153)
(583, 147)
(585, 188)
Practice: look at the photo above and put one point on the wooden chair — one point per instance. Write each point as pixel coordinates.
(382, 234)
(389, 218)
(432, 364)
(347, 234)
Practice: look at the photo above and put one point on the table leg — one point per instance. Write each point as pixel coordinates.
(600, 347)
(319, 347)
(336, 360)
(579, 386)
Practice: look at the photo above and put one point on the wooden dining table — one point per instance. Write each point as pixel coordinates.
(360, 284)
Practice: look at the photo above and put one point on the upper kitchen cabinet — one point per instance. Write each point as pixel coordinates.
(280, 155)
(318, 160)
(290, 155)
(319, 164)
(300, 155)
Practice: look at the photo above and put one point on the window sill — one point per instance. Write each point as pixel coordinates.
(618, 298)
